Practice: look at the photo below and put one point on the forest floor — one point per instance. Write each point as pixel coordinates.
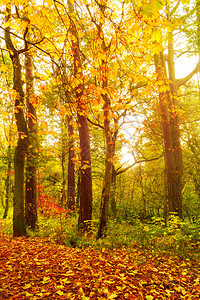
(36, 268)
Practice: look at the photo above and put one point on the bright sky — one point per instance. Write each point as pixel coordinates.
(185, 65)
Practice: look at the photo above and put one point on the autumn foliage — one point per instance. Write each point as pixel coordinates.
(99, 149)
(48, 205)
(37, 269)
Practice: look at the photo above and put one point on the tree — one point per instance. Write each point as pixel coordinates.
(113, 52)
(85, 212)
(31, 168)
(19, 226)
(8, 127)
(169, 107)
(71, 167)
(8, 181)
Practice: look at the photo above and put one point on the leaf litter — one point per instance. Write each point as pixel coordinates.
(35, 268)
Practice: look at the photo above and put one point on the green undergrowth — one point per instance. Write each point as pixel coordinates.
(6, 224)
(177, 238)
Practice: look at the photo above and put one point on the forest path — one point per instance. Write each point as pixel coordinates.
(35, 268)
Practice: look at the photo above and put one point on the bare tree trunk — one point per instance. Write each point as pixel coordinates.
(110, 137)
(113, 193)
(175, 202)
(71, 168)
(31, 168)
(63, 192)
(109, 163)
(78, 189)
(63, 197)
(170, 120)
(85, 212)
(19, 226)
(171, 135)
(7, 181)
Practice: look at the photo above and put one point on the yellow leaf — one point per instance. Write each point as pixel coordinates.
(60, 286)
(27, 286)
(157, 36)
(5, 114)
(28, 294)
(45, 279)
(185, 1)
(156, 48)
(66, 280)
(112, 296)
(3, 68)
(149, 297)
(59, 292)
(69, 273)
(7, 24)
(164, 88)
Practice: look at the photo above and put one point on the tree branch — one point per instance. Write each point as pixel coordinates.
(118, 172)
(95, 124)
(182, 81)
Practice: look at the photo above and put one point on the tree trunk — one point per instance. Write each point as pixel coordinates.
(71, 169)
(31, 175)
(7, 182)
(19, 226)
(63, 192)
(113, 194)
(110, 140)
(78, 189)
(63, 197)
(171, 136)
(85, 212)
(198, 24)
(108, 168)
(175, 200)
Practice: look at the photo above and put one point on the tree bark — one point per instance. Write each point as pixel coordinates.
(85, 212)
(109, 160)
(175, 202)
(19, 226)
(8, 181)
(110, 139)
(113, 205)
(71, 168)
(171, 136)
(63, 197)
(31, 168)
